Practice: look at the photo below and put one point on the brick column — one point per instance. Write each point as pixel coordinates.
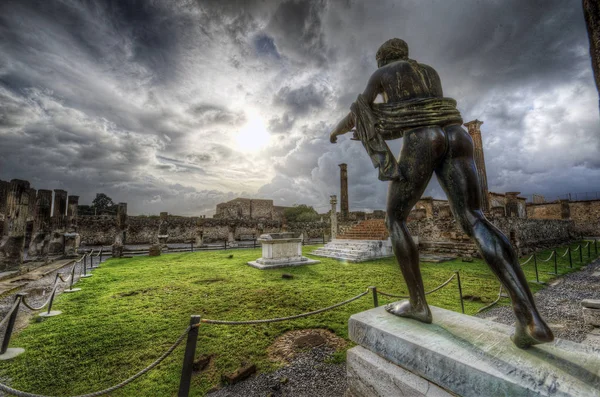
(344, 206)
(15, 223)
(475, 132)
(565, 209)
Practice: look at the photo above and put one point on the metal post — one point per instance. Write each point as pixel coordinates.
(192, 246)
(570, 259)
(555, 263)
(589, 250)
(323, 238)
(375, 297)
(580, 253)
(596, 246)
(225, 241)
(71, 289)
(537, 277)
(100, 256)
(188, 358)
(11, 324)
(462, 303)
(85, 267)
(254, 243)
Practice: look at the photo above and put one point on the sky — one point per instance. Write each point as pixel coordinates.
(178, 105)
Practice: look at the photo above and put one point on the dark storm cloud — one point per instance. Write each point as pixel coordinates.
(149, 101)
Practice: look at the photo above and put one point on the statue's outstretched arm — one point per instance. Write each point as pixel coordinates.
(347, 123)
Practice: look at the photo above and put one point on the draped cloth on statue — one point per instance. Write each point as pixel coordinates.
(375, 123)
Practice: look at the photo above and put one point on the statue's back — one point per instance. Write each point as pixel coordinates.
(408, 79)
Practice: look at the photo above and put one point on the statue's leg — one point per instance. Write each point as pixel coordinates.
(458, 177)
(422, 151)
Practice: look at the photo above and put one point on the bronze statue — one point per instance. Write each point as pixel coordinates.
(434, 141)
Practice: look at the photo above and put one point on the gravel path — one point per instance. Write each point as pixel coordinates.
(560, 303)
(307, 376)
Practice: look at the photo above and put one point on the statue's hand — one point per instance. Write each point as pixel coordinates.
(333, 137)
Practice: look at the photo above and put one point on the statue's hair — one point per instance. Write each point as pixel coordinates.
(392, 49)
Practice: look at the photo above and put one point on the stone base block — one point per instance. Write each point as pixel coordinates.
(591, 316)
(273, 264)
(474, 357)
(372, 376)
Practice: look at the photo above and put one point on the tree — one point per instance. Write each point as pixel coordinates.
(301, 213)
(102, 203)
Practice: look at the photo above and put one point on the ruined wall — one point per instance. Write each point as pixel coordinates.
(544, 211)
(585, 214)
(261, 209)
(96, 230)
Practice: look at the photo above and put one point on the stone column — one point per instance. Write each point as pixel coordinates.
(344, 207)
(72, 204)
(475, 133)
(60, 209)
(199, 232)
(163, 231)
(41, 224)
(12, 243)
(120, 238)
(333, 217)
(512, 204)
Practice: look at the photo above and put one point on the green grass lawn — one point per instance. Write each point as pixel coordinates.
(132, 310)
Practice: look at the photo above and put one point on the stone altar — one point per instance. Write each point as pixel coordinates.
(461, 355)
(279, 250)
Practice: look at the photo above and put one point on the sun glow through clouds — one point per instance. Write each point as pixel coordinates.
(254, 135)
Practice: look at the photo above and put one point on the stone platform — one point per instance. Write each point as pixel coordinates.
(355, 250)
(461, 355)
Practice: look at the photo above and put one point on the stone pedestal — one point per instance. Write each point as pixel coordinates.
(591, 311)
(279, 250)
(72, 242)
(461, 355)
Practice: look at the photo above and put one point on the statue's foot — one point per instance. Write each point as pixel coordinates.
(405, 309)
(534, 334)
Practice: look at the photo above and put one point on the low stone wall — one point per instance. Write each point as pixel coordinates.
(527, 234)
(95, 230)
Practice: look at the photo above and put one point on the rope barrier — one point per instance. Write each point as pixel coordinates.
(10, 312)
(588, 243)
(426, 293)
(273, 320)
(27, 305)
(19, 393)
(550, 257)
(494, 302)
(527, 261)
(566, 252)
(577, 249)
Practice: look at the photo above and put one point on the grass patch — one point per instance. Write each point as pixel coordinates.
(133, 309)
